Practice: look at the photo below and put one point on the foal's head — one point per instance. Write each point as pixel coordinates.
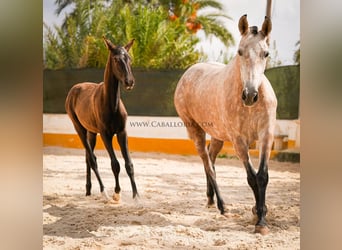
(253, 51)
(121, 63)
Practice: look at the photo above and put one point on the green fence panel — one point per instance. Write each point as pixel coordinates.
(154, 89)
(286, 84)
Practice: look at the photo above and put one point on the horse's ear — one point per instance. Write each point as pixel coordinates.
(243, 24)
(266, 26)
(108, 43)
(129, 45)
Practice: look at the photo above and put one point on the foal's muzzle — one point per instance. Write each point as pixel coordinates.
(249, 97)
(129, 84)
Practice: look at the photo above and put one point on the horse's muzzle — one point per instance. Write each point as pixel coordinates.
(249, 97)
(129, 84)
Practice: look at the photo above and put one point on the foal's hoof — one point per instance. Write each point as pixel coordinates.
(116, 197)
(105, 195)
(263, 230)
(211, 205)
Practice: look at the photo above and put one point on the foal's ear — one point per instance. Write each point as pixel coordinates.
(129, 45)
(243, 25)
(108, 43)
(266, 26)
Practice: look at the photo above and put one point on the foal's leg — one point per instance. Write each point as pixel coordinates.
(197, 134)
(90, 157)
(92, 141)
(91, 137)
(214, 148)
(107, 140)
(122, 140)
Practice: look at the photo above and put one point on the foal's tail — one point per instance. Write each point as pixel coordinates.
(70, 103)
(70, 100)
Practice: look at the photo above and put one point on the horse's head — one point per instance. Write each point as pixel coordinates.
(121, 63)
(253, 51)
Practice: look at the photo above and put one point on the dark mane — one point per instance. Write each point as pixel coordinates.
(254, 30)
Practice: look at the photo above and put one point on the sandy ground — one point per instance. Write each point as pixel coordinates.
(171, 211)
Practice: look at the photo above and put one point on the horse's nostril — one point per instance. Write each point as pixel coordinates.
(129, 82)
(255, 97)
(244, 95)
(249, 98)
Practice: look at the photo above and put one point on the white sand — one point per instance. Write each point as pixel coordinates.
(171, 212)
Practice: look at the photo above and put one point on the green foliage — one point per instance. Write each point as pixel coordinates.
(159, 41)
(296, 56)
(77, 43)
(212, 26)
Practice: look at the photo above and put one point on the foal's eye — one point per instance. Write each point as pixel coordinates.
(266, 54)
(240, 52)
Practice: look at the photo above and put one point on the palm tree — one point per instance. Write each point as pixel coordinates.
(76, 44)
(196, 15)
(296, 56)
(90, 4)
(161, 42)
(62, 4)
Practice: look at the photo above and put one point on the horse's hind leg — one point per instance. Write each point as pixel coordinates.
(88, 142)
(197, 134)
(82, 133)
(89, 161)
(92, 163)
(122, 140)
(214, 148)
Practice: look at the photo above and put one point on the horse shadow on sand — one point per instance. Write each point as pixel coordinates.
(78, 216)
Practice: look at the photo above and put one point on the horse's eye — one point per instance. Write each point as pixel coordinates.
(240, 52)
(266, 54)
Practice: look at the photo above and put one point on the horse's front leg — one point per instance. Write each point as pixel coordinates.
(122, 140)
(262, 181)
(261, 209)
(257, 182)
(107, 141)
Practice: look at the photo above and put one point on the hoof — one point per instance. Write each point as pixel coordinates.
(227, 215)
(136, 196)
(116, 197)
(211, 205)
(263, 230)
(254, 210)
(105, 195)
(210, 202)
